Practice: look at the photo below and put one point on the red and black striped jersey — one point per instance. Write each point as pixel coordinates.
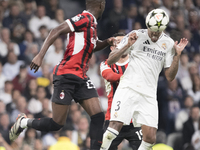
(81, 42)
(111, 75)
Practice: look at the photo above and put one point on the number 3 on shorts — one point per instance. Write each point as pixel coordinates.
(118, 107)
(90, 85)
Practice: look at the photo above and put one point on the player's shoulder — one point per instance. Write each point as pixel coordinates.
(140, 32)
(103, 63)
(167, 38)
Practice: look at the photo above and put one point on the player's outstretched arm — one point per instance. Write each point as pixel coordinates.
(54, 33)
(103, 44)
(171, 72)
(115, 55)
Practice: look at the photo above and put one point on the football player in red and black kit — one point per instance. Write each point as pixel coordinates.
(111, 75)
(70, 79)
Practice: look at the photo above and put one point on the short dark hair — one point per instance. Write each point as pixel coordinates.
(118, 34)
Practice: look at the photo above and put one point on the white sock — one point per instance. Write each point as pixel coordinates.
(24, 122)
(108, 137)
(145, 146)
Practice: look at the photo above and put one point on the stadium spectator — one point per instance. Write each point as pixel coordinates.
(39, 20)
(64, 142)
(31, 88)
(5, 126)
(29, 9)
(21, 80)
(183, 115)
(51, 8)
(2, 107)
(195, 91)
(191, 125)
(27, 42)
(21, 107)
(6, 44)
(30, 53)
(93, 72)
(161, 139)
(29, 138)
(55, 56)
(2, 78)
(35, 104)
(59, 18)
(6, 95)
(14, 17)
(12, 66)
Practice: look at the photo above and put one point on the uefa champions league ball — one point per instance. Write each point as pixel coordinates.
(157, 20)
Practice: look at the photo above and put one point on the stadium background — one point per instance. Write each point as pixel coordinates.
(26, 23)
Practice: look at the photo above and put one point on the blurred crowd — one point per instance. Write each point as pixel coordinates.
(24, 25)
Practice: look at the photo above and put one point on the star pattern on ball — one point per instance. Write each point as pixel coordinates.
(152, 14)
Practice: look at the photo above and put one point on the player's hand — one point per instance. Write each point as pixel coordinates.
(36, 63)
(180, 47)
(132, 38)
(112, 41)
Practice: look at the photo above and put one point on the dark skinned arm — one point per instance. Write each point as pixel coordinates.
(103, 44)
(53, 35)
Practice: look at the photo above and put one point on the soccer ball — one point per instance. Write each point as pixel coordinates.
(157, 20)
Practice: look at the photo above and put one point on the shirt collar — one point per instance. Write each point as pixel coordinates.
(95, 20)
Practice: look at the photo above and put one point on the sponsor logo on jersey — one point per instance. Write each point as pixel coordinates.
(146, 42)
(76, 18)
(62, 94)
(164, 46)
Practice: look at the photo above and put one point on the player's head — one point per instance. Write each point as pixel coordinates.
(119, 37)
(156, 22)
(154, 36)
(96, 6)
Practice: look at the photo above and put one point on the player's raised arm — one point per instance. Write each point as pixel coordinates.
(171, 72)
(126, 42)
(54, 33)
(103, 44)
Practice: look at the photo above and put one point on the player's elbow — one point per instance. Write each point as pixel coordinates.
(109, 62)
(170, 79)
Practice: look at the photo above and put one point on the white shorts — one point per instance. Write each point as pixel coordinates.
(128, 104)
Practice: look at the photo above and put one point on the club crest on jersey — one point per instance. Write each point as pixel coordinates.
(62, 94)
(115, 115)
(164, 46)
(76, 18)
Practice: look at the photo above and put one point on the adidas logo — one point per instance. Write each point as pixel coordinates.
(146, 42)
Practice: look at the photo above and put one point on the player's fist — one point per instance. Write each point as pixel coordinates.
(132, 38)
(112, 41)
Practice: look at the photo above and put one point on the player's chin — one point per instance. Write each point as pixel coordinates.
(154, 39)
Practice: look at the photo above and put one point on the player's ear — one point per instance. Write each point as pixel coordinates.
(111, 48)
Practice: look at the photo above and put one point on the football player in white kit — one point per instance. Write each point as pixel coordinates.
(136, 97)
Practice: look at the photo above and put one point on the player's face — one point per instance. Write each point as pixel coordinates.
(103, 3)
(118, 40)
(154, 36)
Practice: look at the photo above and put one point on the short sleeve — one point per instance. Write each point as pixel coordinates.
(104, 66)
(169, 57)
(78, 22)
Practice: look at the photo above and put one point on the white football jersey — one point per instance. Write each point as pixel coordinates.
(146, 62)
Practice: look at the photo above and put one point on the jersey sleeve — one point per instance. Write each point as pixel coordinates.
(78, 23)
(169, 56)
(108, 74)
(124, 41)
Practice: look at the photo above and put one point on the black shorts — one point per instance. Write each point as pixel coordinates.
(68, 87)
(128, 132)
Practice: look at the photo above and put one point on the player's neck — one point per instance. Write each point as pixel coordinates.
(122, 60)
(94, 13)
